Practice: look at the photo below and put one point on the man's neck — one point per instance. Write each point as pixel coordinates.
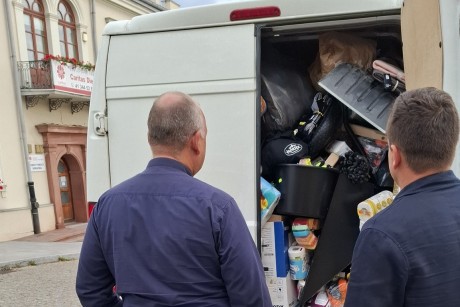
(181, 158)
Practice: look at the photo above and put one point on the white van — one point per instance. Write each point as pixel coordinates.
(214, 53)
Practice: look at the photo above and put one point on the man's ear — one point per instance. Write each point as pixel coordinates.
(396, 156)
(194, 142)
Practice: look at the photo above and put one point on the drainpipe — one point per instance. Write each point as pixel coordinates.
(20, 114)
(93, 30)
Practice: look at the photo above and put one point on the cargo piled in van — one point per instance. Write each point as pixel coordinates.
(316, 86)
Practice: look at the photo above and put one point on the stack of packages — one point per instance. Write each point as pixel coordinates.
(276, 238)
(287, 251)
(288, 242)
(301, 252)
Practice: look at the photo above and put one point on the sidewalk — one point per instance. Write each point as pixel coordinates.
(50, 246)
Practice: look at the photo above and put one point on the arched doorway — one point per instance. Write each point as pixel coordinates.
(65, 187)
(65, 156)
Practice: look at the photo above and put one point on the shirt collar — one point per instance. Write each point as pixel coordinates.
(168, 162)
(428, 182)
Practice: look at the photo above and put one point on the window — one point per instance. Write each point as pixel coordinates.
(67, 31)
(34, 22)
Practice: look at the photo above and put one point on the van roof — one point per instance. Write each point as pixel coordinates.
(219, 14)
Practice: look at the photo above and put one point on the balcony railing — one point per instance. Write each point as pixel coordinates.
(56, 82)
(58, 76)
(35, 74)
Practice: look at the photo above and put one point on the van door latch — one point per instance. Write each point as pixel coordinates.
(100, 123)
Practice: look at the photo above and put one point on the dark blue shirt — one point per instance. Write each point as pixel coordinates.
(167, 239)
(409, 253)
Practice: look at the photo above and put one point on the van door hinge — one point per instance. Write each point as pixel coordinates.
(100, 123)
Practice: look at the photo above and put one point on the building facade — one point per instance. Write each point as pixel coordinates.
(47, 66)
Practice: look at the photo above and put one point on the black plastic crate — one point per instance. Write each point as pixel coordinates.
(306, 191)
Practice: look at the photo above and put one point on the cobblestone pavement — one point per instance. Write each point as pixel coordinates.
(49, 285)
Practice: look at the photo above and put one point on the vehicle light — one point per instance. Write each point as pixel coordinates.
(91, 205)
(257, 12)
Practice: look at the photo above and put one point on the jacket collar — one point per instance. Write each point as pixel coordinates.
(168, 162)
(431, 182)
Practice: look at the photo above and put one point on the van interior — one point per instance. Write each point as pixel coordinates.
(296, 46)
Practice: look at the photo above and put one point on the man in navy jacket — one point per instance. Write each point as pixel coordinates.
(409, 253)
(165, 238)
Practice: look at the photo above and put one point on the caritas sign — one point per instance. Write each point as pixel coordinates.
(72, 79)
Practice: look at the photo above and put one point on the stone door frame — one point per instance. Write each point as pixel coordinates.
(67, 143)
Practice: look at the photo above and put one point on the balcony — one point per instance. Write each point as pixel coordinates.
(56, 83)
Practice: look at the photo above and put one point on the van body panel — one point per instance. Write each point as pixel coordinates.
(98, 158)
(219, 72)
(192, 88)
(231, 130)
(219, 15)
(208, 54)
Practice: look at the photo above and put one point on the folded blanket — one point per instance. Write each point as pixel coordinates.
(389, 69)
(391, 76)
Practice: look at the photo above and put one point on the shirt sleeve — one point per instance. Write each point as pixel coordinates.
(379, 272)
(94, 282)
(240, 261)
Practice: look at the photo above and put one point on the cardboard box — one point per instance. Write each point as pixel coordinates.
(368, 133)
(275, 244)
(283, 291)
(276, 217)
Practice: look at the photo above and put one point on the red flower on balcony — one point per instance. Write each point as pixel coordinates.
(66, 60)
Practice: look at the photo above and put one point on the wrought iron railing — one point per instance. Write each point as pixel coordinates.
(35, 74)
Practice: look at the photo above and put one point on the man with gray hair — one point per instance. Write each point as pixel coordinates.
(165, 238)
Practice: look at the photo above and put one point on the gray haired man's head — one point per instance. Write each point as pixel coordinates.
(173, 119)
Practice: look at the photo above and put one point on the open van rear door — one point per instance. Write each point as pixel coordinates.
(422, 43)
(431, 47)
(218, 69)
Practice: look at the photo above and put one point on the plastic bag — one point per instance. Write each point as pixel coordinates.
(375, 151)
(336, 48)
(337, 292)
(285, 89)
